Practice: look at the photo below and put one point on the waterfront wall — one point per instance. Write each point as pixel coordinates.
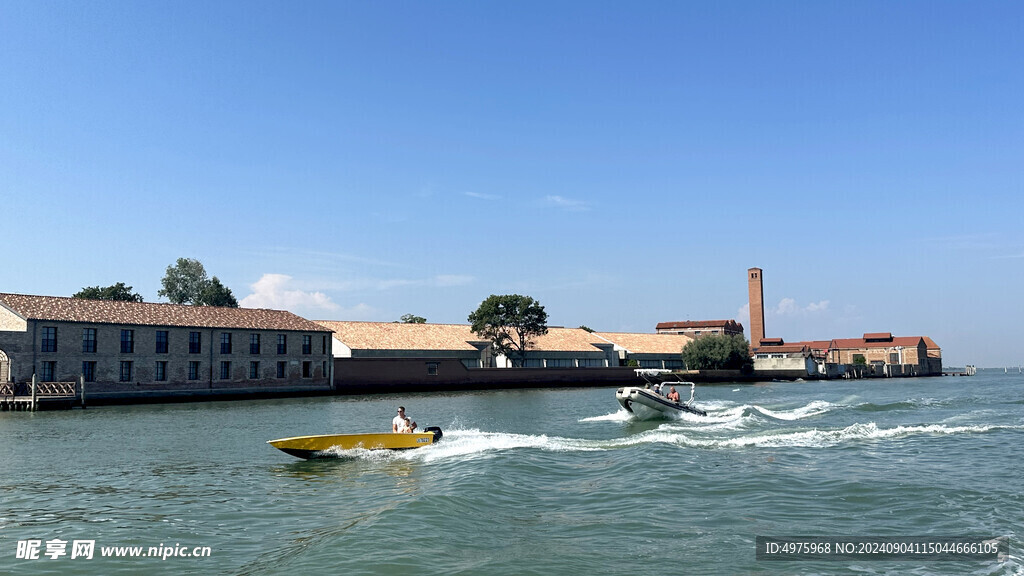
(370, 375)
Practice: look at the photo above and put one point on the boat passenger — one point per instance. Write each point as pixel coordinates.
(408, 427)
(673, 395)
(399, 421)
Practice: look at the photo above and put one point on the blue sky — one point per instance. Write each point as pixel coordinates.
(623, 163)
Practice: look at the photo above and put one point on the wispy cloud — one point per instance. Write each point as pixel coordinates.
(567, 204)
(482, 196)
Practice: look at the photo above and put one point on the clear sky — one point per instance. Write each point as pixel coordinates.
(624, 163)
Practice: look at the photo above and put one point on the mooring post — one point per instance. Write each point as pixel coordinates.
(82, 380)
(32, 405)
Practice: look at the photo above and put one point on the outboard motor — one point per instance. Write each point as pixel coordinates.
(436, 430)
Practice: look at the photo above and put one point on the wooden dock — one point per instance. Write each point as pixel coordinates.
(32, 396)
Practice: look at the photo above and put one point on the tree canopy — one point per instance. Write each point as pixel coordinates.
(115, 292)
(718, 352)
(412, 319)
(186, 282)
(510, 322)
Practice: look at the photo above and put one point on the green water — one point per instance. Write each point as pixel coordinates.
(546, 482)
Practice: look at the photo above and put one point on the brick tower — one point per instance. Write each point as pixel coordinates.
(756, 290)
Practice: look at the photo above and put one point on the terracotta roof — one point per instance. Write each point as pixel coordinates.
(399, 336)
(698, 324)
(931, 343)
(567, 340)
(59, 309)
(815, 344)
(878, 336)
(781, 349)
(647, 343)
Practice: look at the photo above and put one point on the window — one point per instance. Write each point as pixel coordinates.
(225, 342)
(127, 343)
(161, 341)
(254, 370)
(307, 344)
(49, 339)
(282, 343)
(307, 369)
(432, 368)
(325, 368)
(225, 370)
(89, 371)
(894, 358)
(193, 370)
(195, 340)
(533, 363)
(254, 343)
(674, 364)
(88, 340)
(591, 363)
(471, 362)
(282, 368)
(126, 370)
(323, 346)
(48, 369)
(161, 371)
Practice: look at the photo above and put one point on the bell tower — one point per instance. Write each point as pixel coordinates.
(756, 292)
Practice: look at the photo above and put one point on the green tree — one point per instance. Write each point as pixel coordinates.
(587, 328)
(115, 292)
(217, 294)
(412, 319)
(510, 322)
(186, 282)
(718, 352)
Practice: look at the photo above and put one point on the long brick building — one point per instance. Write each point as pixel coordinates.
(128, 349)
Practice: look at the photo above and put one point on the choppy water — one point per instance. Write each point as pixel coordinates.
(524, 482)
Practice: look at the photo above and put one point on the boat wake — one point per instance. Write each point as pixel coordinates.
(463, 444)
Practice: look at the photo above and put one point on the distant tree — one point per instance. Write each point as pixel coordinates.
(587, 328)
(217, 294)
(718, 352)
(510, 322)
(115, 292)
(186, 282)
(411, 319)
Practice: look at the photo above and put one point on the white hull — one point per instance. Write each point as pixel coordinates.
(645, 404)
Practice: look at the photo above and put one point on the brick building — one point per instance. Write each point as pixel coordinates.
(126, 349)
(697, 328)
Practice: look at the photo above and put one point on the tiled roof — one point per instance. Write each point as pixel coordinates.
(782, 349)
(698, 324)
(878, 336)
(930, 343)
(815, 344)
(647, 343)
(399, 336)
(59, 309)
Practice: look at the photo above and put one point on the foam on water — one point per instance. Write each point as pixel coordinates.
(462, 444)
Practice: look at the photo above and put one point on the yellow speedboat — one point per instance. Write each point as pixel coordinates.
(321, 446)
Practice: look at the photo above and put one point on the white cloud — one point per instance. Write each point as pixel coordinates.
(567, 203)
(482, 196)
(789, 307)
(274, 291)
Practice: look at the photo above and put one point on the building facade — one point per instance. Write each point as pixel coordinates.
(698, 328)
(125, 348)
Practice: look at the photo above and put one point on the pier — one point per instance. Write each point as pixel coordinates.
(32, 396)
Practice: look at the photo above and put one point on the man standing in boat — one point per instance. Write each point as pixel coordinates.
(398, 422)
